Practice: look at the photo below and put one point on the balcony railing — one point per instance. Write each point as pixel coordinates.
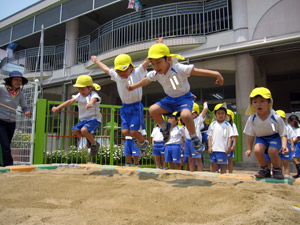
(171, 20)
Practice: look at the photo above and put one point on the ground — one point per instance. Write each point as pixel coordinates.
(91, 195)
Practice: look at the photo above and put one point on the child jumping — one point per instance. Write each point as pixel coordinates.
(219, 139)
(89, 110)
(174, 79)
(132, 117)
(269, 130)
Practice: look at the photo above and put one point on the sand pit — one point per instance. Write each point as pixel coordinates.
(108, 196)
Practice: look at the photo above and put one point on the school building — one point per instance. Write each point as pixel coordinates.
(250, 42)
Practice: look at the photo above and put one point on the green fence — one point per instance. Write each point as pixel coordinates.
(55, 143)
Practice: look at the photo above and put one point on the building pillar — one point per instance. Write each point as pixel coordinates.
(244, 77)
(72, 30)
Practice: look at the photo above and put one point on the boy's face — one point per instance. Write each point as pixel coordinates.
(161, 65)
(261, 105)
(124, 74)
(194, 115)
(84, 91)
(172, 119)
(221, 115)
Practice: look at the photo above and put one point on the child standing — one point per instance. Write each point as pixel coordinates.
(175, 144)
(158, 147)
(267, 126)
(293, 121)
(189, 150)
(89, 110)
(219, 139)
(11, 97)
(234, 139)
(174, 79)
(132, 116)
(290, 145)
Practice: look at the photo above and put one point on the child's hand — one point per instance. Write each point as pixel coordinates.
(130, 87)
(228, 150)
(292, 149)
(248, 153)
(285, 150)
(232, 149)
(160, 40)
(93, 58)
(28, 114)
(89, 105)
(220, 79)
(210, 150)
(205, 105)
(55, 109)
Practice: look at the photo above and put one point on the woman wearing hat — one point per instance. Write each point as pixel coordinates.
(10, 98)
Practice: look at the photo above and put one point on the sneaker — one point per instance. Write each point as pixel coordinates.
(167, 131)
(199, 147)
(94, 149)
(165, 168)
(144, 148)
(88, 143)
(263, 173)
(137, 165)
(128, 164)
(277, 173)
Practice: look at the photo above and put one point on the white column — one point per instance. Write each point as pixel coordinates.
(72, 30)
(244, 77)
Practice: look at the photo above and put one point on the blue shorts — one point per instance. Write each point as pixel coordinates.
(287, 156)
(132, 116)
(173, 153)
(90, 125)
(189, 150)
(270, 141)
(177, 104)
(218, 157)
(130, 148)
(296, 153)
(230, 155)
(158, 148)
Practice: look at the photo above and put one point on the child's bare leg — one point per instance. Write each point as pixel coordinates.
(136, 159)
(171, 165)
(275, 158)
(259, 151)
(213, 167)
(186, 117)
(85, 133)
(157, 161)
(126, 132)
(286, 167)
(230, 165)
(77, 133)
(223, 168)
(128, 159)
(191, 164)
(137, 135)
(178, 166)
(199, 164)
(165, 165)
(156, 112)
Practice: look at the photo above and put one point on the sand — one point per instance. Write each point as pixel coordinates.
(100, 196)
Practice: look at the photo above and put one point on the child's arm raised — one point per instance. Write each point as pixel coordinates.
(204, 111)
(63, 105)
(208, 73)
(141, 83)
(101, 65)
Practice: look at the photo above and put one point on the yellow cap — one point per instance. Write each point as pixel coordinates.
(122, 62)
(160, 50)
(86, 81)
(221, 105)
(281, 113)
(196, 108)
(263, 92)
(229, 112)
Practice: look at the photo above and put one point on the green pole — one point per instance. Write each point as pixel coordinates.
(239, 147)
(40, 131)
(112, 135)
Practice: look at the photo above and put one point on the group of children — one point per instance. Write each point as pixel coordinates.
(274, 140)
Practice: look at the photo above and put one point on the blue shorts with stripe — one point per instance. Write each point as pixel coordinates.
(132, 116)
(90, 125)
(218, 157)
(158, 148)
(130, 148)
(189, 150)
(173, 153)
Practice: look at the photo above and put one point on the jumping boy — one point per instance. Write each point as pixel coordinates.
(89, 110)
(174, 79)
(269, 130)
(132, 117)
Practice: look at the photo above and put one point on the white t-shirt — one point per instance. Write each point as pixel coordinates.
(175, 82)
(261, 128)
(234, 130)
(198, 126)
(157, 135)
(176, 135)
(91, 113)
(290, 132)
(297, 132)
(126, 96)
(220, 133)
